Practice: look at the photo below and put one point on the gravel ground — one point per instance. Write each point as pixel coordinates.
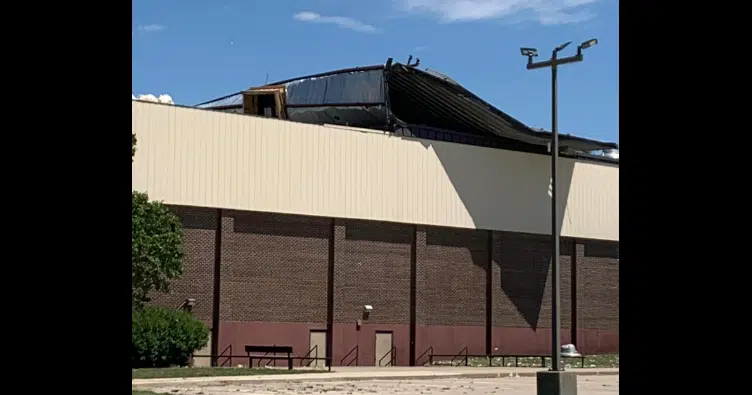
(587, 385)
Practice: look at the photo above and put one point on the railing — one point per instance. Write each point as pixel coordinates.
(392, 352)
(271, 360)
(430, 348)
(314, 350)
(266, 357)
(462, 354)
(459, 355)
(466, 357)
(517, 357)
(229, 347)
(326, 360)
(355, 359)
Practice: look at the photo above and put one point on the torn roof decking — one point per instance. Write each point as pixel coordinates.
(431, 99)
(443, 100)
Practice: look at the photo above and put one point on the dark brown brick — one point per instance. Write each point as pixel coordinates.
(598, 285)
(451, 277)
(522, 280)
(274, 267)
(373, 268)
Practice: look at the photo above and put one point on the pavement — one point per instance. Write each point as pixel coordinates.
(347, 376)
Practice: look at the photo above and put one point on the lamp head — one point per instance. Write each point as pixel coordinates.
(587, 44)
(529, 52)
(562, 46)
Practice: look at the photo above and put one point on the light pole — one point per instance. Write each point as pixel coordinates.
(555, 381)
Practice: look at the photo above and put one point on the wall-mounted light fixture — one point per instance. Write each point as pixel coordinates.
(187, 305)
(367, 309)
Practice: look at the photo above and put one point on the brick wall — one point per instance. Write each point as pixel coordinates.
(197, 282)
(598, 285)
(274, 267)
(521, 282)
(451, 277)
(374, 269)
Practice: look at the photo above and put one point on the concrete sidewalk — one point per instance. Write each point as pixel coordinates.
(362, 373)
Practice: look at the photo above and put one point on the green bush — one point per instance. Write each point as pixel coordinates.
(163, 337)
(156, 248)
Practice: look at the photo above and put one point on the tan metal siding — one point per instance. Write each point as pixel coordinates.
(212, 159)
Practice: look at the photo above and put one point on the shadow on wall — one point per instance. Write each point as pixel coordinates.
(519, 197)
(454, 270)
(279, 225)
(473, 241)
(524, 271)
(384, 232)
(524, 261)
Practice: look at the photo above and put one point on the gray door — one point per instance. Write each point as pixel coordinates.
(317, 339)
(384, 352)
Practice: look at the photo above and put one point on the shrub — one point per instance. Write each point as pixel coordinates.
(163, 337)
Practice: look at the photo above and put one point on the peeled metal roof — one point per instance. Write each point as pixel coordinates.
(444, 100)
(439, 101)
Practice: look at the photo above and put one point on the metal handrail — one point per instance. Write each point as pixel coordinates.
(326, 359)
(229, 347)
(460, 354)
(505, 356)
(315, 348)
(430, 360)
(391, 352)
(355, 349)
(258, 364)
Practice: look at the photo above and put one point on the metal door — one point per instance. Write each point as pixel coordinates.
(384, 349)
(317, 347)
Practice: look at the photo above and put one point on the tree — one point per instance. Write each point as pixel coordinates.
(156, 246)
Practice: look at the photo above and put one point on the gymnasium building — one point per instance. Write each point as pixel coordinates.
(378, 215)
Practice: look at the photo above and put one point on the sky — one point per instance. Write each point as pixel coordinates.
(198, 50)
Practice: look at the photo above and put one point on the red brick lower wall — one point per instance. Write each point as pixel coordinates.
(348, 336)
(449, 340)
(275, 269)
(521, 341)
(597, 341)
(235, 335)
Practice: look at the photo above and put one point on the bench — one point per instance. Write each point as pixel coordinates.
(251, 350)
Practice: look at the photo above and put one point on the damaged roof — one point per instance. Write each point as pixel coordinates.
(397, 95)
(428, 97)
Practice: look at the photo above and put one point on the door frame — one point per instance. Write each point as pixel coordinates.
(392, 350)
(310, 347)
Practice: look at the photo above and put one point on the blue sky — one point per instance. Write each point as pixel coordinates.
(197, 50)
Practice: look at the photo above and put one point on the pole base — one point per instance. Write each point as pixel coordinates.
(557, 383)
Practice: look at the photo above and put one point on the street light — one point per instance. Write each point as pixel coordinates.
(555, 381)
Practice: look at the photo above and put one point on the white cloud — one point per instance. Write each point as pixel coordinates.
(164, 98)
(341, 21)
(547, 12)
(151, 28)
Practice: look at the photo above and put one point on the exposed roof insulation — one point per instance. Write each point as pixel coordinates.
(415, 99)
